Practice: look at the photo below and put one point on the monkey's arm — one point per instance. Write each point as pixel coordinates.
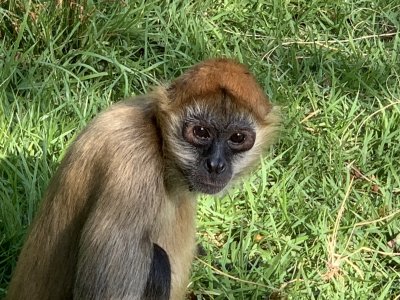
(117, 258)
(117, 268)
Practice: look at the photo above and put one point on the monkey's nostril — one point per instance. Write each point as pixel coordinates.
(220, 167)
(215, 166)
(209, 165)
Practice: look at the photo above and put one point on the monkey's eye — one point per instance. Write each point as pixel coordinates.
(237, 138)
(201, 133)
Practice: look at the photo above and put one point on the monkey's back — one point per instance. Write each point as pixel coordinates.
(106, 166)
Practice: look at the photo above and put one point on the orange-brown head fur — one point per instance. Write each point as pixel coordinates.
(215, 76)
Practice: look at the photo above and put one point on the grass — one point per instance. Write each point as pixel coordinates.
(318, 220)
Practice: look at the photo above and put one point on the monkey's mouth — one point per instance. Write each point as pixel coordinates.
(206, 183)
(207, 187)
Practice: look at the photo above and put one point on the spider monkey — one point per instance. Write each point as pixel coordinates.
(117, 220)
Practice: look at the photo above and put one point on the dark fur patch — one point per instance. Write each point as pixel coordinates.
(158, 285)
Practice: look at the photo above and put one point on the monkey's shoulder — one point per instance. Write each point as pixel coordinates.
(137, 111)
(126, 127)
(128, 115)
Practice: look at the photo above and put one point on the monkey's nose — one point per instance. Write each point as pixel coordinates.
(215, 165)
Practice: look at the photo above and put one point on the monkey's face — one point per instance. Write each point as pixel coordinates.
(215, 143)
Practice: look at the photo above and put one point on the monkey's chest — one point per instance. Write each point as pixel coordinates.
(176, 235)
(176, 230)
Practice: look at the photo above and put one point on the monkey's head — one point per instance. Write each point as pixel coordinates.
(216, 121)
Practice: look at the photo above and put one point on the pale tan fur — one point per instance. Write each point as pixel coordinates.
(266, 135)
(176, 236)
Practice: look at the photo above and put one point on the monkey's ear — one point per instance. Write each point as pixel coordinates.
(215, 77)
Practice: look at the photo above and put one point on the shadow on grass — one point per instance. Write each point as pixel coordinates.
(22, 182)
